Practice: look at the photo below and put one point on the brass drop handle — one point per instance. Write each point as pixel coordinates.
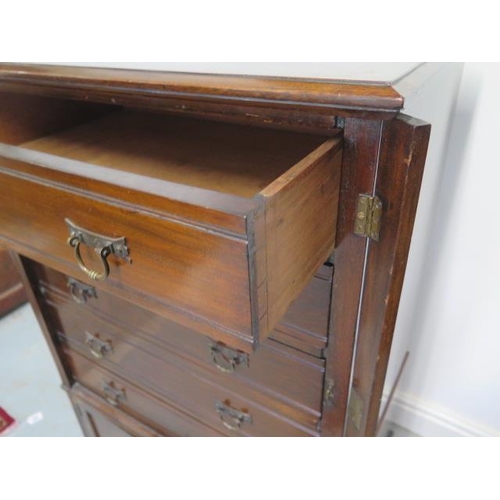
(97, 347)
(102, 245)
(230, 417)
(80, 291)
(111, 394)
(225, 358)
(75, 242)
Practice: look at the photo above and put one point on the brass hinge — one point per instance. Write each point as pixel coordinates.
(328, 397)
(328, 393)
(355, 408)
(368, 215)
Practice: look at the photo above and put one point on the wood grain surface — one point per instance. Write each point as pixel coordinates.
(198, 399)
(227, 225)
(402, 158)
(145, 346)
(143, 416)
(360, 163)
(203, 94)
(255, 274)
(219, 157)
(292, 378)
(300, 217)
(99, 419)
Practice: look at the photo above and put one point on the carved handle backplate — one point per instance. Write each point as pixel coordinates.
(103, 246)
(112, 395)
(81, 292)
(98, 348)
(227, 359)
(230, 417)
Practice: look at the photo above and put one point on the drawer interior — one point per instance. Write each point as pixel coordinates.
(233, 159)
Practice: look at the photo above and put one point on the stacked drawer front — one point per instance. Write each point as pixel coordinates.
(178, 382)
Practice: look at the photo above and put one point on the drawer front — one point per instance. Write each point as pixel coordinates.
(286, 382)
(100, 419)
(216, 408)
(139, 346)
(177, 265)
(126, 399)
(224, 265)
(304, 326)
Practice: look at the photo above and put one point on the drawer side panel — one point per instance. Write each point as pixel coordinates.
(300, 224)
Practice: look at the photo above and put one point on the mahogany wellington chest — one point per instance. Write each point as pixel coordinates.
(213, 254)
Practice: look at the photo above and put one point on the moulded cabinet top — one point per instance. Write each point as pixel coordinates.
(381, 73)
(327, 88)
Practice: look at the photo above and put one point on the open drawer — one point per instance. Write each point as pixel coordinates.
(218, 227)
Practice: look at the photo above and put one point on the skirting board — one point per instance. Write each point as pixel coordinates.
(426, 419)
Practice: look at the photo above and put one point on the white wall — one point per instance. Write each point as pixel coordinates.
(452, 384)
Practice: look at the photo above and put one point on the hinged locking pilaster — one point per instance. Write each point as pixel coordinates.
(368, 215)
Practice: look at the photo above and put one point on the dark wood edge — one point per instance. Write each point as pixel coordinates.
(253, 223)
(402, 158)
(309, 94)
(17, 259)
(359, 168)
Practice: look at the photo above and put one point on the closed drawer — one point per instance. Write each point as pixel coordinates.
(98, 418)
(217, 409)
(277, 377)
(222, 226)
(119, 400)
(304, 326)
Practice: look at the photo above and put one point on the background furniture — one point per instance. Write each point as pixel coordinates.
(12, 293)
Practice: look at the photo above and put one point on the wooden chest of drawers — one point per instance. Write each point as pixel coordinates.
(211, 255)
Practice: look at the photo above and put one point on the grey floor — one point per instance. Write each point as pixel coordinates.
(30, 386)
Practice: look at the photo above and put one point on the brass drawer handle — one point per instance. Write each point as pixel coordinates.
(231, 418)
(225, 358)
(97, 347)
(112, 395)
(80, 291)
(103, 246)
